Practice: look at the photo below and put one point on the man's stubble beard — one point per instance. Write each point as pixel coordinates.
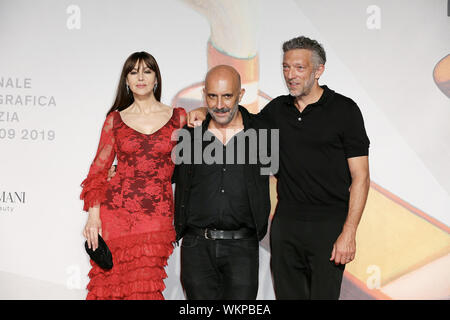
(230, 117)
(306, 88)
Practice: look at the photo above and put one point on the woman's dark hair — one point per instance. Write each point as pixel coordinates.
(124, 98)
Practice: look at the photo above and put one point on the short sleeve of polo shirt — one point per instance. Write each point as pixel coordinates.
(355, 140)
(266, 117)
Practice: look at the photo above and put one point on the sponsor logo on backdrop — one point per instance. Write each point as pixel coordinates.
(10, 200)
(17, 95)
(74, 19)
(373, 21)
(374, 280)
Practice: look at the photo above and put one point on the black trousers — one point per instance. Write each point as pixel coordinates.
(219, 269)
(300, 258)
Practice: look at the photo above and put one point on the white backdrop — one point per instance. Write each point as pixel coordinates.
(60, 63)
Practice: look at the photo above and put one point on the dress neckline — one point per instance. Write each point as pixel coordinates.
(147, 134)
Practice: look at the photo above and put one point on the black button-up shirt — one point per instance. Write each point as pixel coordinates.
(314, 176)
(218, 196)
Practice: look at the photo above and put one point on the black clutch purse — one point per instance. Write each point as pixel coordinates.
(101, 256)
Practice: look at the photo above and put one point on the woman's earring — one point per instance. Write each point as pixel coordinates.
(155, 86)
(128, 89)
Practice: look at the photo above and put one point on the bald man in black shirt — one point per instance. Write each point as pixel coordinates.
(222, 204)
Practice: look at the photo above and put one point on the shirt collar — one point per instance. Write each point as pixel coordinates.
(324, 98)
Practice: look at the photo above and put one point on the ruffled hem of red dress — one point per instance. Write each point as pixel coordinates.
(138, 270)
(128, 291)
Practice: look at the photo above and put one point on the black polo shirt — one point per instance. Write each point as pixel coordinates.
(314, 176)
(218, 196)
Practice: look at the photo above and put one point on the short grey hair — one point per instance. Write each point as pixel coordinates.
(318, 53)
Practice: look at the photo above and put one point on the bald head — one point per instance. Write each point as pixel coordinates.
(224, 72)
(223, 93)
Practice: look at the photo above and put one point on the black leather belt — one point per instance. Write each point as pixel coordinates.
(214, 234)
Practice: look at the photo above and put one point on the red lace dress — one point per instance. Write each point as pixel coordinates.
(136, 208)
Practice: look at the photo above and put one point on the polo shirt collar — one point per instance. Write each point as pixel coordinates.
(324, 98)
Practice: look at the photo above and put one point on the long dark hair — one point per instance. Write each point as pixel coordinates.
(124, 98)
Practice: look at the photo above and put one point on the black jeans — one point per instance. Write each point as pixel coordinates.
(219, 269)
(300, 258)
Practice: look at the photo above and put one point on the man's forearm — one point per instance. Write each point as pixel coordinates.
(358, 197)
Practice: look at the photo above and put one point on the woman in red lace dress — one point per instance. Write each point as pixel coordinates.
(133, 212)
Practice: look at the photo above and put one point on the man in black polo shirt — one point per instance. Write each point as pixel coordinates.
(222, 204)
(323, 180)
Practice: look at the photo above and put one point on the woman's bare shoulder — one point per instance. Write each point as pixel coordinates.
(165, 107)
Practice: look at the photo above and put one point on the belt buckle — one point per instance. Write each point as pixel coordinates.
(206, 235)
